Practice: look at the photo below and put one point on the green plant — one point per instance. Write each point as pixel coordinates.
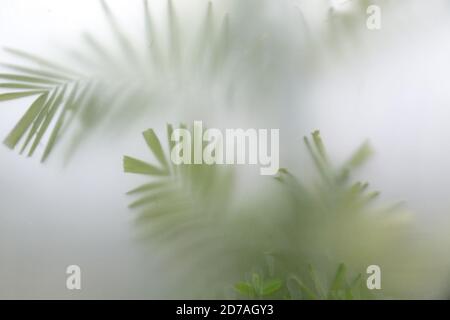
(179, 198)
(309, 287)
(258, 287)
(216, 65)
(112, 86)
(191, 209)
(339, 288)
(89, 94)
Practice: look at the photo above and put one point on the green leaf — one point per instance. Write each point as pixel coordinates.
(52, 140)
(18, 95)
(355, 287)
(339, 282)
(157, 196)
(306, 292)
(37, 122)
(172, 207)
(317, 284)
(21, 78)
(271, 287)
(49, 113)
(154, 145)
(244, 289)
(318, 161)
(40, 61)
(123, 41)
(320, 146)
(148, 187)
(12, 85)
(132, 165)
(360, 156)
(256, 282)
(14, 136)
(37, 73)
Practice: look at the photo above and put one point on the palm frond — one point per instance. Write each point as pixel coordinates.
(178, 196)
(315, 224)
(61, 91)
(186, 209)
(133, 78)
(340, 288)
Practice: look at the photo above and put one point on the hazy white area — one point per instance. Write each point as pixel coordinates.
(389, 87)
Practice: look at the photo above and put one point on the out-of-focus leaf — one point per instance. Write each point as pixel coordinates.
(318, 143)
(37, 122)
(21, 78)
(316, 281)
(318, 161)
(14, 136)
(148, 187)
(121, 38)
(37, 73)
(12, 85)
(132, 165)
(40, 61)
(307, 293)
(244, 289)
(59, 123)
(18, 95)
(155, 146)
(271, 287)
(48, 113)
(339, 281)
(360, 156)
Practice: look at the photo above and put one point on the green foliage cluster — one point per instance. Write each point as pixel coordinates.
(311, 287)
(190, 210)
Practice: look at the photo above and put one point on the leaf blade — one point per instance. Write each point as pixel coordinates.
(24, 123)
(154, 144)
(133, 165)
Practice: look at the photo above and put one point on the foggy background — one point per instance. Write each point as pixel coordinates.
(388, 86)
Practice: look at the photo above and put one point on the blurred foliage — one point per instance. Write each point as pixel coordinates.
(110, 86)
(190, 213)
(172, 66)
(311, 287)
(179, 199)
(224, 62)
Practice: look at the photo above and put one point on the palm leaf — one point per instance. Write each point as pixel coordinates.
(25, 122)
(44, 63)
(12, 85)
(18, 95)
(178, 199)
(143, 83)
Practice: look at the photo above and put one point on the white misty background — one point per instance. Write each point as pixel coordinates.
(388, 86)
